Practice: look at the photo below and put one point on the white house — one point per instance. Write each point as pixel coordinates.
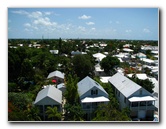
(48, 97)
(99, 56)
(58, 76)
(91, 95)
(129, 94)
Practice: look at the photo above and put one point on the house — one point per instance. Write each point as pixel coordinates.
(57, 76)
(99, 57)
(141, 76)
(99, 71)
(48, 97)
(55, 52)
(91, 94)
(140, 55)
(62, 87)
(131, 95)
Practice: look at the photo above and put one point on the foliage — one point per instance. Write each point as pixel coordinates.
(53, 113)
(106, 112)
(146, 84)
(109, 62)
(73, 112)
(19, 100)
(82, 66)
(71, 94)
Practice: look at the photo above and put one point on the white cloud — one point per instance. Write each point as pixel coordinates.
(36, 14)
(81, 28)
(128, 31)
(21, 12)
(145, 30)
(47, 13)
(84, 17)
(27, 25)
(93, 28)
(90, 23)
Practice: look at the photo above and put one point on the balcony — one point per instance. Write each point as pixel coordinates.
(143, 105)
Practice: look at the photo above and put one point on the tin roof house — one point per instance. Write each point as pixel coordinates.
(91, 95)
(48, 97)
(129, 94)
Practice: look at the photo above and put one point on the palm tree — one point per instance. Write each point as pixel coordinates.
(53, 113)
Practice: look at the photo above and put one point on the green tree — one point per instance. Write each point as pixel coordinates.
(109, 62)
(32, 114)
(53, 113)
(73, 112)
(71, 93)
(82, 66)
(146, 84)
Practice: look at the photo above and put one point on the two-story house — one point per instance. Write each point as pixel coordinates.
(129, 94)
(91, 95)
(48, 97)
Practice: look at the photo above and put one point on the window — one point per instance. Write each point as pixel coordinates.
(150, 103)
(134, 104)
(143, 103)
(124, 99)
(94, 92)
(91, 92)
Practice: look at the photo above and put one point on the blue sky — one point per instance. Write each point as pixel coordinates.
(97, 23)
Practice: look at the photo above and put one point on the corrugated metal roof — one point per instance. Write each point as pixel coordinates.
(124, 85)
(50, 92)
(56, 74)
(86, 84)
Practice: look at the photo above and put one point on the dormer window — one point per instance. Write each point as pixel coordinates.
(94, 92)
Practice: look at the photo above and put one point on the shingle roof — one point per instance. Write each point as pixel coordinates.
(50, 92)
(124, 85)
(86, 84)
(56, 74)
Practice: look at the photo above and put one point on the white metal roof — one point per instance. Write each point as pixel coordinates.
(127, 50)
(86, 84)
(51, 92)
(138, 99)
(141, 76)
(148, 60)
(124, 84)
(56, 74)
(99, 56)
(95, 99)
(104, 79)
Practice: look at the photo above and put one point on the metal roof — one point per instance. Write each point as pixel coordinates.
(144, 98)
(124, 85)
(56, 74)
(86, 84)
(95, 99)
(51, 92)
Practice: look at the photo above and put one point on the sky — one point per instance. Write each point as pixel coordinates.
(89, 23)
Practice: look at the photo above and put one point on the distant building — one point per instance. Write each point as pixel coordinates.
(99, 57)
(57, 76)
(55, 52)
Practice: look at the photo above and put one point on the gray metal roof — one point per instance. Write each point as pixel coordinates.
(50, 92)
(86, 84)
(126, 86)
(56, 74)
